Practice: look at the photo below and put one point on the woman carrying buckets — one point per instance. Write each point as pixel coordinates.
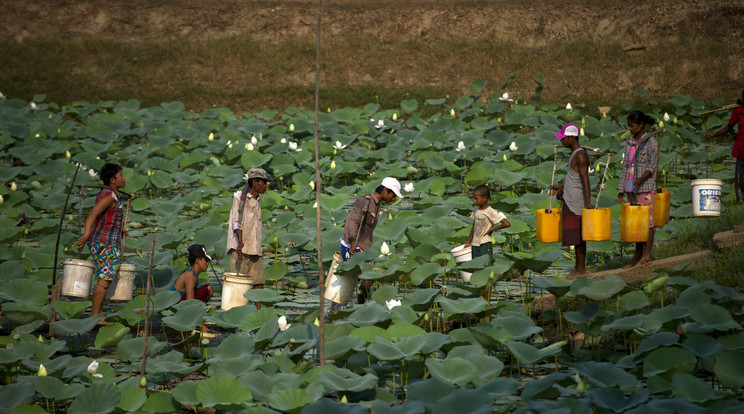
(639, 178)
(737, 119)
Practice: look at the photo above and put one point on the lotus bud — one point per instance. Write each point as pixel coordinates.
(293, 146)
(408, 187)
(344, 399)
(254, 141)
(42, 371)
(283, 325)
(205, 341)
(67, 154)
(329, 110)
(339, 145)
(316, 322)
(312, 185)
(385, 249)
(291, 127)
(581, 132)
(14, 187)
(513, 146)
(93, 368)
(426, 316)
(315, 204)
(33, 106)
(333, 165)
(380, 124)
(504, 157)
(568, 106)
(143, 381)
(395, 116)
(675, 120)
(452, 113)
(666, 117)
(411, 169)
(390, 216)
(661, 124)
(2, 199)
(392, 303)
(283, 140)
(211, 136)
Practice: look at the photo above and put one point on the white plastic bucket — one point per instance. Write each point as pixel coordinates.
(233, 289)
(76, 278)
(463, 254)
(706, 197)
(122, 287)
(338, 288)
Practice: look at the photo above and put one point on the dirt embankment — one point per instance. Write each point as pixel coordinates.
(592, 48)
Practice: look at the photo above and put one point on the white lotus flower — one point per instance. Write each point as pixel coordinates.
(385, 249)
(591, 170)
(380, 124)
(666, 117)
(229, 145)
(505, 97)
(291, 127)
(211, 136)
(2, 96)
(339, 145)
(254, 141)
(513, 146)
(312, 185)
(283, 325)
(372, 120)
(283, 141)
(408, 187)
(229, 142)
(293, 146)
(333, 165)
(93, 368)
(14, 187)
(33, 106)
(42, 371)
(315, 204)
(460, 146)
(568, 106)
(392, 303)
(395, 116)
(249, 147)
(92, 173)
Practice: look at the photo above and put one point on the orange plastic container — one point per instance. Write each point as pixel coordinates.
(634, 220)
(596, 224)
(661, 207)
(548, 225)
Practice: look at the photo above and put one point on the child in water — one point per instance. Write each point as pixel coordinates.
(486, 220)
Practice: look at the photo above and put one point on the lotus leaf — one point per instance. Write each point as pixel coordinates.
(615, 400)
(633, 301)
(457, 371)
(31, 347)
(14, 395)
(606, 375)
(693, 389)
(658, 317)
(98, 398)
(171, 363)
(370, 333)
(624, 324)
(339, 379)
(462, 306)
(527, 354)
(190, 314)
(131, 349)
(667, 361)
(223, 393)
(290, 400)
(519, 327)
(340, 349)
(547, 387)
(70, 310)
(257, 318)
(297, 333)
(370, 313)
(132, 398)
(52, 388)
(110, 335)
(598, 289)
(728, 369)
(403, 314)
(230, 318)
(710, 317)
(25, 291)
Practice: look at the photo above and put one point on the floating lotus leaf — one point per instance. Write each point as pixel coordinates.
(131, 349)
(257, 318)
(291, 400)
(223, 393)
(28, 291)
(633, 301)
(457, 371)
(190, 314)
(728, 369)
(548, 387)
(402, 349)
(110, 335)
(667, 361)
(337, 379)
(52, 388)
(425, 273)
(370, 333)
(267, 296)
(98, 398)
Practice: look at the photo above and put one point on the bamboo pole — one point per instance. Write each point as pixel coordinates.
(147, 310)
(724, 108)
(319, 184)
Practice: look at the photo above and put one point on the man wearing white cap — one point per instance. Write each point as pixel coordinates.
(574, 191)
(361, 222)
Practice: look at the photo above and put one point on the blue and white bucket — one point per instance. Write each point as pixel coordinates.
(706, 197)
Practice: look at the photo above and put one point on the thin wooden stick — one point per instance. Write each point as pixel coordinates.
(147, 309)
(552, 178)
(725, 108)
(601, 185)
(321, 275)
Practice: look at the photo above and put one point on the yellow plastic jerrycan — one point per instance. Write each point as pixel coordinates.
(596, 224)
(549, 226)
(634, 220)
(661, 207)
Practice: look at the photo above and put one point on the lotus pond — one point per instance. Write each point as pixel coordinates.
(672, 345)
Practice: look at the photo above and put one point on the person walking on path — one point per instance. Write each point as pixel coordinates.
(361, 222)
(574, 193)
(244, 230)
(638, 181)
(737, 119)
(486, 220)
(103, 233)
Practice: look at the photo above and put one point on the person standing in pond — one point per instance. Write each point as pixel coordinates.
(244, 229)
(638, 181)
(486, 220)
(187, 282)
(361, 222)
(103, 233)
(737, 119)
(574, 193)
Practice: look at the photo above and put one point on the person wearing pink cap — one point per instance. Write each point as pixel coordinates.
(361, 222)
(574, 192)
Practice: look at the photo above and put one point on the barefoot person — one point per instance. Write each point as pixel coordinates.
(736, 120)
(103, 233)
(638, 182)
(574, 192)
(244, 229)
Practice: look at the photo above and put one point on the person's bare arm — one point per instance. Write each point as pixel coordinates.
(582, 166)
(101, 206)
